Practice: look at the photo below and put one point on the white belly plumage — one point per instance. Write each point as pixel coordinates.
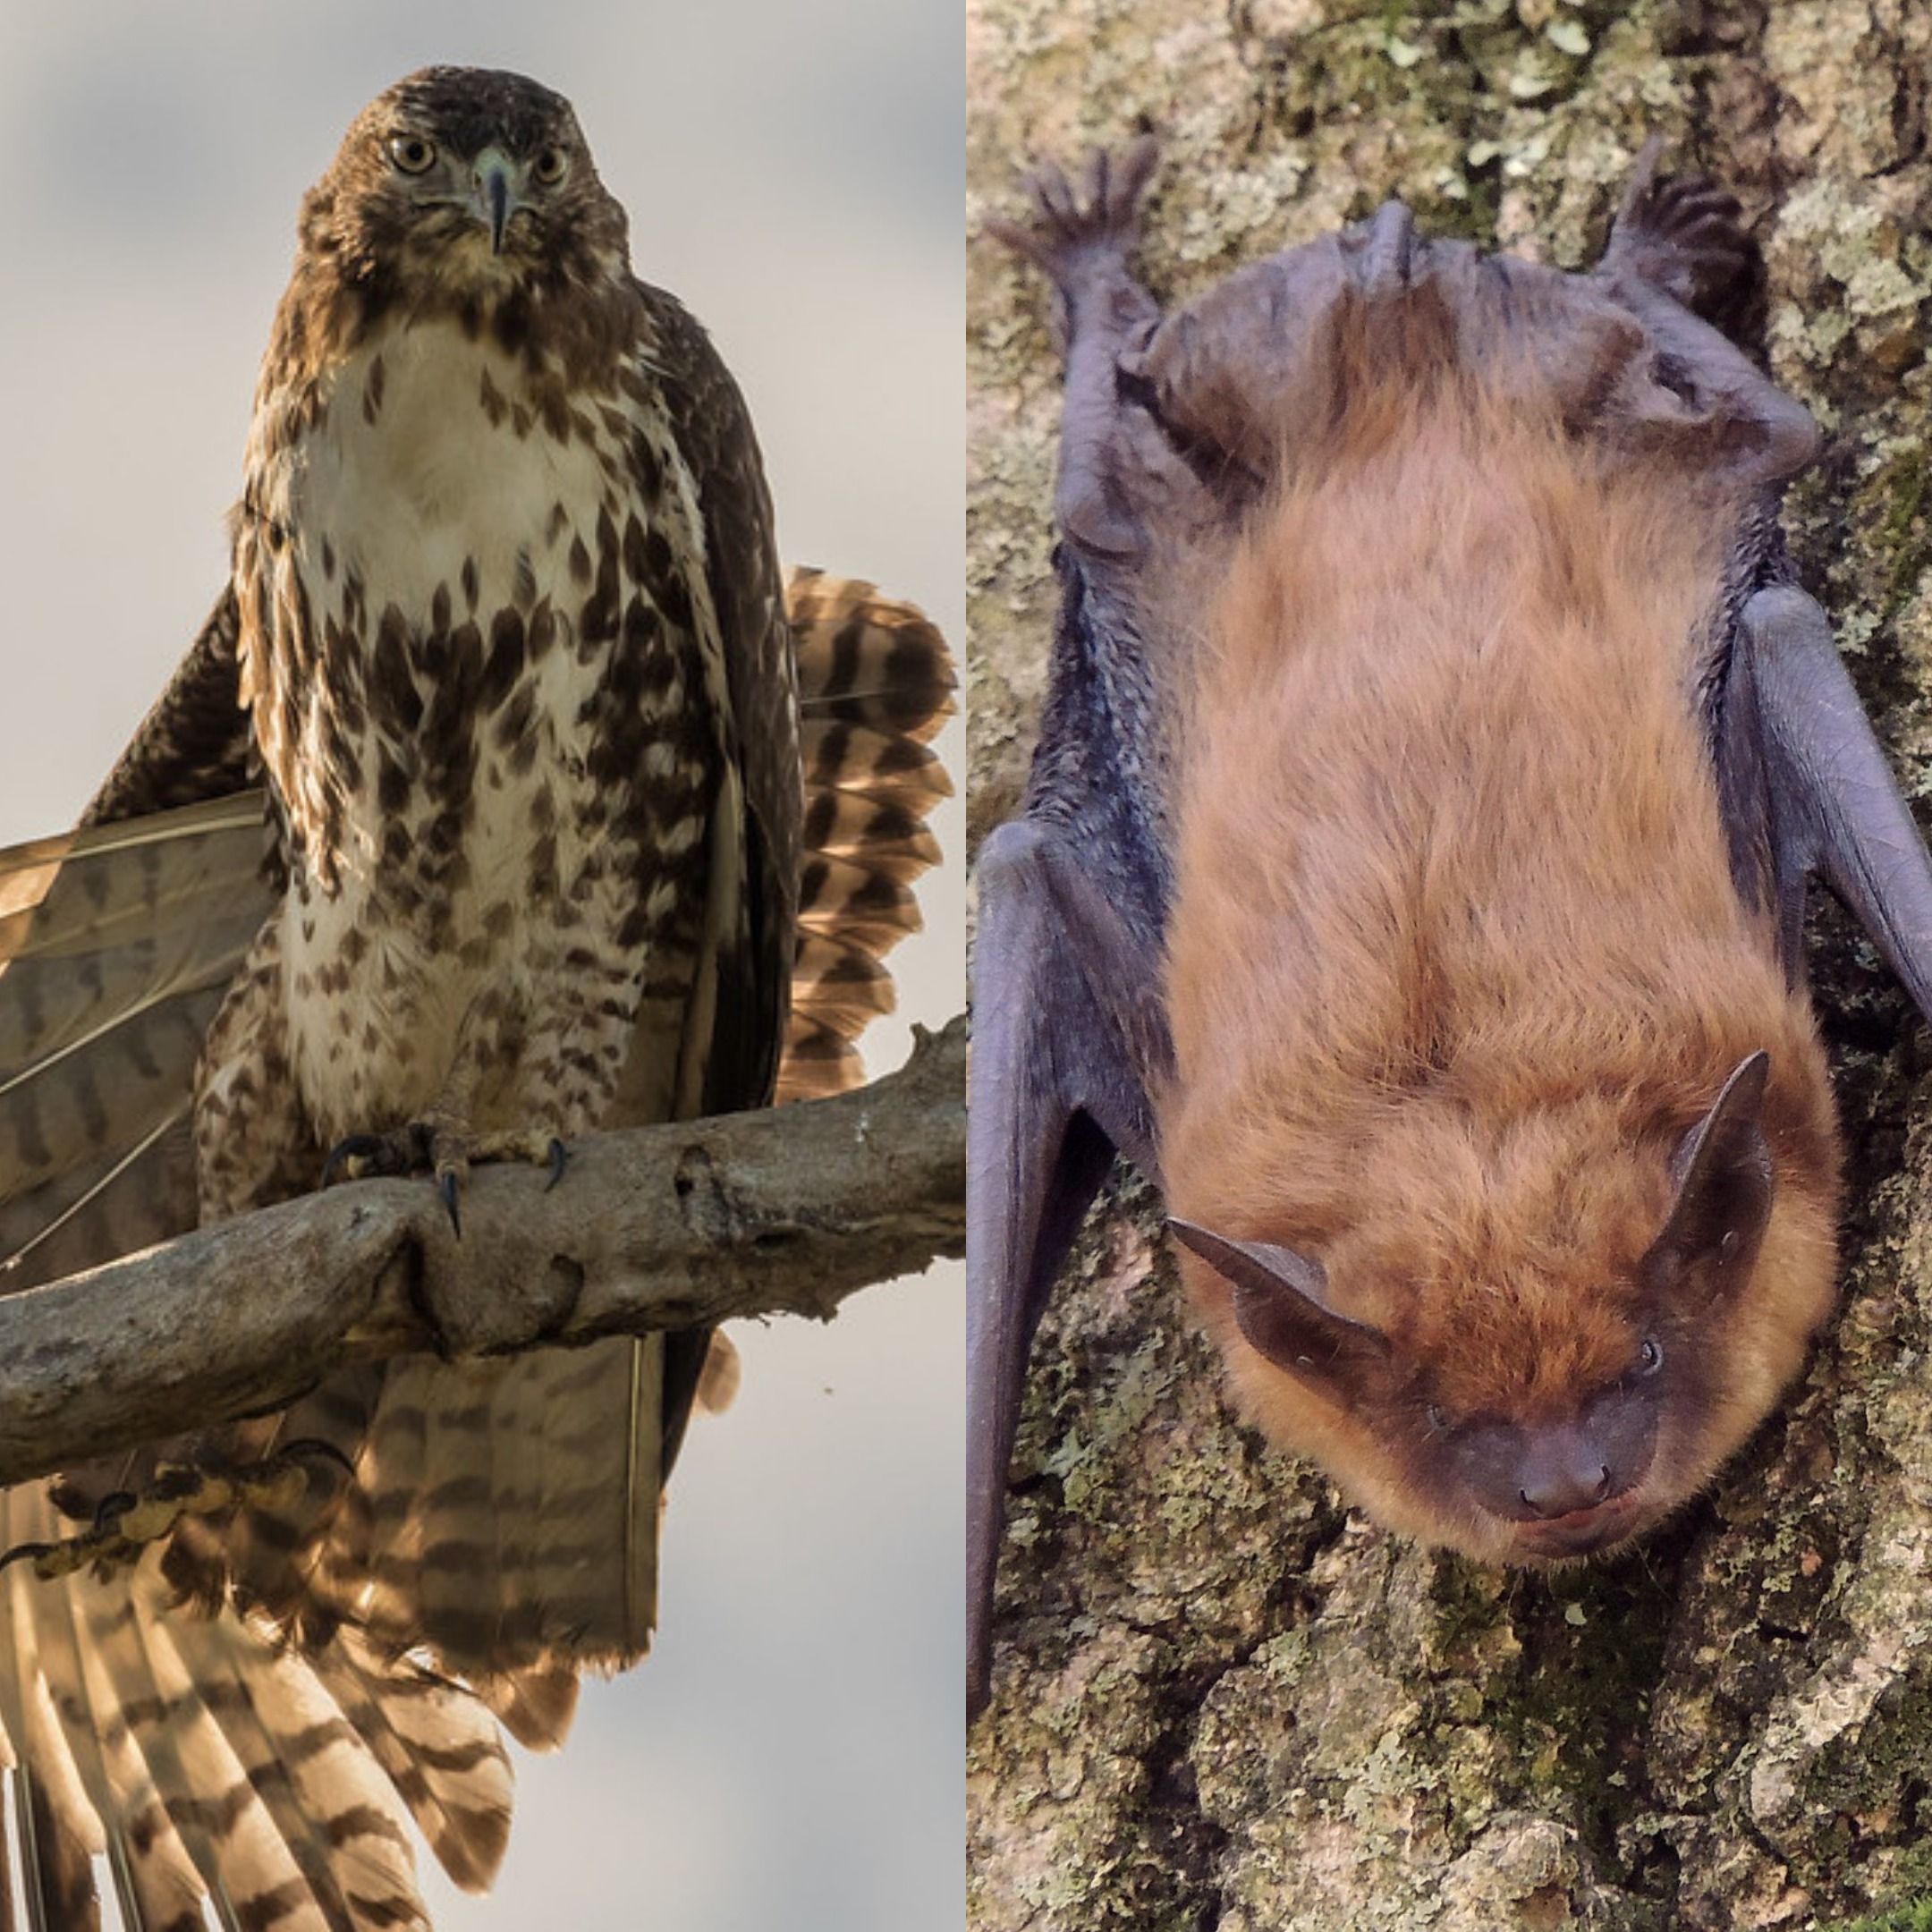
(428, 496)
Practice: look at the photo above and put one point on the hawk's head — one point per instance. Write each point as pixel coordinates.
(464, 189)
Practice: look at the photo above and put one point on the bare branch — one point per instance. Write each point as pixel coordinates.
(678, 1227)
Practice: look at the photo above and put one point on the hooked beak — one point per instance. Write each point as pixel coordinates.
(494, 197)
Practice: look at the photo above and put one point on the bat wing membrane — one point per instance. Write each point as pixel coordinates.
(1068, 1039)
(1795, 735)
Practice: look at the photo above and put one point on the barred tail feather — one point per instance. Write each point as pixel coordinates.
(59, 1829)
(499, 1494)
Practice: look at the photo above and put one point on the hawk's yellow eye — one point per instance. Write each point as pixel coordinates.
(412, 153)
(547, 169)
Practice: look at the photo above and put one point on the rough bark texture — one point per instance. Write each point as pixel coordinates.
(1220, 1701)
(786, 1211)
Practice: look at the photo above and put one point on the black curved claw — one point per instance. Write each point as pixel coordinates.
(355, 1147)
(112, 1507)
(174, 1481)
(30, 1552)
(1685, 235)
(449, 1185)
(559, 1160)
(319, 1446)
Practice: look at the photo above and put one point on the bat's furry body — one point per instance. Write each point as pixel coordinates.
(1410, 876)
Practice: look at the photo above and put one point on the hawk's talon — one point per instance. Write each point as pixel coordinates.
(71, 1500)
(314, 1445)
(111, 1508)
(449, 1185)
(446, 1150)
(345, 1157)
(127, 1522)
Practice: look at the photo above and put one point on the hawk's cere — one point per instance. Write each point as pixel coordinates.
(506, 643)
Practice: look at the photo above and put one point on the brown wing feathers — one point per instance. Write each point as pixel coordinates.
(875, 683)
(193, 745)
(116, 945)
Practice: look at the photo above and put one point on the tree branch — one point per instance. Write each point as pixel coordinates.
(678, 1227)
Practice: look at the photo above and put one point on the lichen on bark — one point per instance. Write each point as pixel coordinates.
(1220, 1700)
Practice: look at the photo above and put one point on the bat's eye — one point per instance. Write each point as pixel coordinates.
(1650, 1357)
(412, 153)
(547, 169)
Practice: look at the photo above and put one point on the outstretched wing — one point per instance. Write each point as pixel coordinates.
(116, 945)
(193, 746)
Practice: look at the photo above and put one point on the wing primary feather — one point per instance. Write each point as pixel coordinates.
(106, 1181)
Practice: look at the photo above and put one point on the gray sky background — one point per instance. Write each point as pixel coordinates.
(791, 1755)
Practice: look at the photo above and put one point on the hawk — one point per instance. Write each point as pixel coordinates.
(506, 649)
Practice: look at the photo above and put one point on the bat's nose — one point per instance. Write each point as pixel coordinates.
(1559, 1489)
(1568, 1470)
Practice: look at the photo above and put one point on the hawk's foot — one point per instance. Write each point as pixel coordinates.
(445, 1152)
(126, 1522)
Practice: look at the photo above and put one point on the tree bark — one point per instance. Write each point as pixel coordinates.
(1221, 1700)
(780, 1211)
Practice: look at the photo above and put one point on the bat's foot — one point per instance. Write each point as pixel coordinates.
(125, 1522)
(1685, 236)
(443, 1152)
(1083, 237)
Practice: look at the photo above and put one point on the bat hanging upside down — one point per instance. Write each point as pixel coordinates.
(1409, 881)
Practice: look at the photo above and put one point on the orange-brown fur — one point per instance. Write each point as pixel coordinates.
(1456, 958)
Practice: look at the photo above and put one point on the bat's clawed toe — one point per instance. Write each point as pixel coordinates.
(1082, 235)
(1686, 236)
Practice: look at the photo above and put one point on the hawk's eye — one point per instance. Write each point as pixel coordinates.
(412, 153)
(547, 169)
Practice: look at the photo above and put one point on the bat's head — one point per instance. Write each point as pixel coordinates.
(464, 184)
(1547, 1338)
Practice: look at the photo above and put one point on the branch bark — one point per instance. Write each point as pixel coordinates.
(782, 1212)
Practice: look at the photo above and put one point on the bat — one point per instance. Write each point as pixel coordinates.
(1437, 749)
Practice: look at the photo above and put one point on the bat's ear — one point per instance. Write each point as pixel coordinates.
(1281, 1307)
(1723, 1172)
